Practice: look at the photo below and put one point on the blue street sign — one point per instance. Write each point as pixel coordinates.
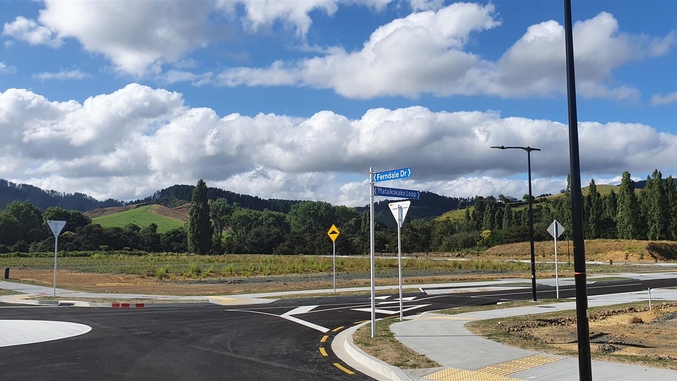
(393, 174)
(399, 193)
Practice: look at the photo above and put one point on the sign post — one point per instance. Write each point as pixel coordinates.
(333, 233)
(375, 177)
(56, 227)
(399, 210)
(556, 229)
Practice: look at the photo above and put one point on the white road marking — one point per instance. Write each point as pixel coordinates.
(303, 310)
(389, 312)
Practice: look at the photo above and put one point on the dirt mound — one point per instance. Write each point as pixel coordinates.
(180, 212)
(98, 212)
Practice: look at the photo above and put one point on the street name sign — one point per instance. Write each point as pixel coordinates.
(395, 192)
(393, 174)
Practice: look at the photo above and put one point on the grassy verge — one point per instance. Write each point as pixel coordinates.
(386, 347)
(117, 300)
(8, 292)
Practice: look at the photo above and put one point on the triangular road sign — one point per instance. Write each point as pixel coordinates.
(333, 233)
(56, 226)
(399, 210)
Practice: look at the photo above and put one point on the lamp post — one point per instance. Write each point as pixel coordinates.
(531, 215)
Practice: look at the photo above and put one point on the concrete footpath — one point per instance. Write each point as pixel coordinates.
(440, 337)
(465, 357)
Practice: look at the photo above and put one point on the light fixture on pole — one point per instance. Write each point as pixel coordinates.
(531, 215)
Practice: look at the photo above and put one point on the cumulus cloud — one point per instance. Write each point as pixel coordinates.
(140, 36)
(62, 75)
(659, 99)
(426, 52)
(30, 31)
(131, 142)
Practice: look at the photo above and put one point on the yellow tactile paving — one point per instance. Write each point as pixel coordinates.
(519, 365)
(496, 372)
(451, 374)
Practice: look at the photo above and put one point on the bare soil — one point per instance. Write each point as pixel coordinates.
(98, 212)
(632, 334)
(180, 212)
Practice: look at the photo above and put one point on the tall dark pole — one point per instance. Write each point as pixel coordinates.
(531, 216)
(584, 363)
(531, 229)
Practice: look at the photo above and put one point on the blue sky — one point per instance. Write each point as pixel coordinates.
(293, 99)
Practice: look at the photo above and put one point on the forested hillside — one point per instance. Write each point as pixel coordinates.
(234, 227)
(44, 199)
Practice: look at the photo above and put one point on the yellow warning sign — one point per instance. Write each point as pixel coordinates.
(333, 232)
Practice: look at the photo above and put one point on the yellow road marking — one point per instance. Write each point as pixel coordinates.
(343, 368)
(324, 338)
(337, 329)
(360, 322)
(323, 352)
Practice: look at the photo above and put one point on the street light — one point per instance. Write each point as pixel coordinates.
(531, 215)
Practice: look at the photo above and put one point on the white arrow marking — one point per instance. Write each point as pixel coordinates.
(382, 297)
(388, 312)
(303, 310)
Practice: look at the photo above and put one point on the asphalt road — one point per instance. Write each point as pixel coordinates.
(209, 342)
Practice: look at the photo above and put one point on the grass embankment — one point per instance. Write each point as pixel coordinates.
(173, 266)
(602, 250)
(141, 216)
(386, 347)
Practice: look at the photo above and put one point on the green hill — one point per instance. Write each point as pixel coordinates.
(141, 216)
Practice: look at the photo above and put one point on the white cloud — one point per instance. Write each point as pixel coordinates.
(426, 52)
(62, 75)
(420, 53)
(30, 31)
(4, 69)
(131, 142)
(659, 99)
(133, 34)
(140, 36)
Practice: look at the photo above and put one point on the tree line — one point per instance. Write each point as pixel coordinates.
(218, 226)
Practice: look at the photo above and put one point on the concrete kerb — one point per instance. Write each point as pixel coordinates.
(344, 347)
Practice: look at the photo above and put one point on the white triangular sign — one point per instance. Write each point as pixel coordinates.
(56, 226)
(399, 210)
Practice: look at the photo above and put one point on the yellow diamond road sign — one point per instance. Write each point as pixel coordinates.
(333, 232)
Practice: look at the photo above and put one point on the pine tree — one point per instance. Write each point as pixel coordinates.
(200, 226)
(507, 217)
(611, 205)
(657, 212)
(627, 217)
(593, 211)
(671, 193)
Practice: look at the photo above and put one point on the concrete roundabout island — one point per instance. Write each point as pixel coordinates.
(20, 332)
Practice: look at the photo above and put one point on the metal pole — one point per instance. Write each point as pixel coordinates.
(334, 246)
(584, 361)
(399, 256)
(56, 245)
(531, 229)
(371, 246)
(556, 270)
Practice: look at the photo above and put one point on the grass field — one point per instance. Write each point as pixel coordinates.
(141, 216)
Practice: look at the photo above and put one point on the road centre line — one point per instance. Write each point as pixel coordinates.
(343, 368)
(324, 339)
(323, 352)
(338, 328)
